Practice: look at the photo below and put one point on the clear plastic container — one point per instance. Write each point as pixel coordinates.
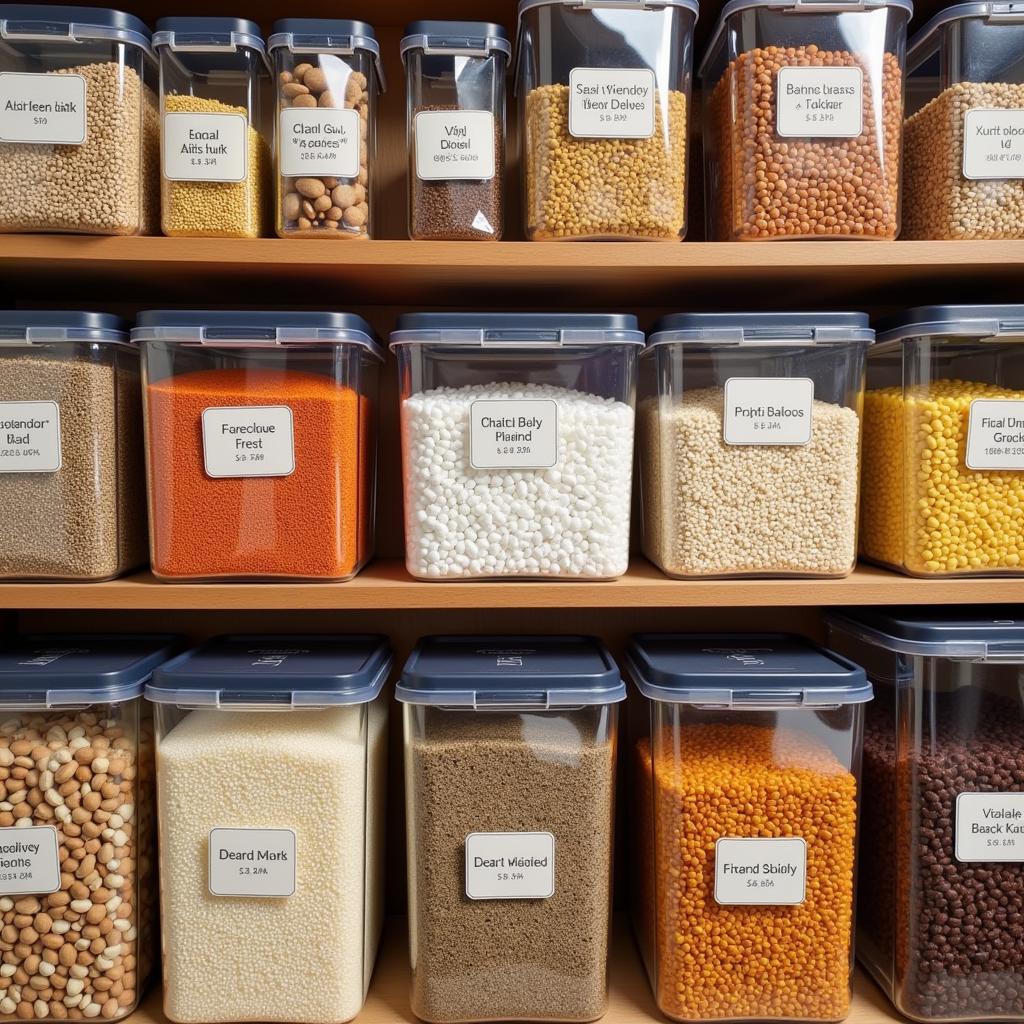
(750, 443)
(328, 83)
(604, 108)
(517, 443)
(260, 443)
(746, 753)
(803, 119)
(510, 746)
(455, 107)
(71, 465)
(80, 132)
(215, 160)
(941, 895)
(271, 778)
(78, 824)
(963, 149)
(944, 442)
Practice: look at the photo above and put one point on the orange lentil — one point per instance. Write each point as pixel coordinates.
(311, 524)
(714, 962)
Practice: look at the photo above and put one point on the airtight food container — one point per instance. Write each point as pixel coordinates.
(215, 155)
(71, 462)
(964, 135)
(510, 748)
(803, 119)
(298, 869)
(750, 443)
(604, 107)
(746, 753)
(260, 443)
(944, 442)
(77, 824)
(942, 852)
(517, 443)
(455, 104)
(79, 135)
(328, 80)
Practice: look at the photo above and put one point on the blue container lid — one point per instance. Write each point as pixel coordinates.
(762, 329)
(514, 330)
(990, 10)
(456, 37)
(275, 672)
(326, 35)
(77, 23)
(743, 670)
(207, 35)
(44, 325)
(979, 322)
(78, 669)
(510, 671)
(625, 5)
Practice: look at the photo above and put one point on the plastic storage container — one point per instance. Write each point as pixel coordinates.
(71, 467)
(942, 857)
(517, 443)
(944, 442)
(510, 749)
(604, 94)
(750, 443)
(79, 135)
(77, 825)
(803, 116)
(271, 779)
(329, 78)
(215, 160)
(746, 759)
(455, 100)
(261, 443)
(963, 144)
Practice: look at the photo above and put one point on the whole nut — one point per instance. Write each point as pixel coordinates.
(290, 208)
(344, 196)
(304, 101)
(353, 90)
(293, 89)
(354, 217)
(308, 209)
(334, 213)
(310, 188)
(315, 80)
(300, 70)
(326, 99)
(322, 204)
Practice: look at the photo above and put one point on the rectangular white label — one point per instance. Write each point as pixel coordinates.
(205, 147)
(611, 103)
(817, 103)
(323, 142)
(768, 410)
(510, 865)
(29, 861)
(995, 434)
(30, 437)
(513, 434)
(42, 108)
(452, 145)
(993, 144)
(989, 827)
(769, 872)
(248, 440)
(252, 862)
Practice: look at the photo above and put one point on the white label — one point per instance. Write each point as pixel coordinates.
(989, 827)
(42, 108)
(454, 144)
(820, 103)
(769, 872)
(252, 862)
(995, 434)
(29, 861)
(513, 435)
(205, 147)
(29, 437)
(321, 142)
(611, 103)
(993, 144)
(510, 865)
(768, 410)
(248, 440)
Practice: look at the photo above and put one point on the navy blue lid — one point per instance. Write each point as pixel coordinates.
(75, 669)
(510, 671)
(988, 321)
(55, 19)
(754, 328)
(61, 325)
(323, 27)
(191, 26)
(275, 671)
(743, 670)
(193, 34)
(507, 329)
(455, 36)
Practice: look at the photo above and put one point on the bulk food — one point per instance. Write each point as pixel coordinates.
(80, 139)
(529, 788)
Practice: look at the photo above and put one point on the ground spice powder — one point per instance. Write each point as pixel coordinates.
(314, 523)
